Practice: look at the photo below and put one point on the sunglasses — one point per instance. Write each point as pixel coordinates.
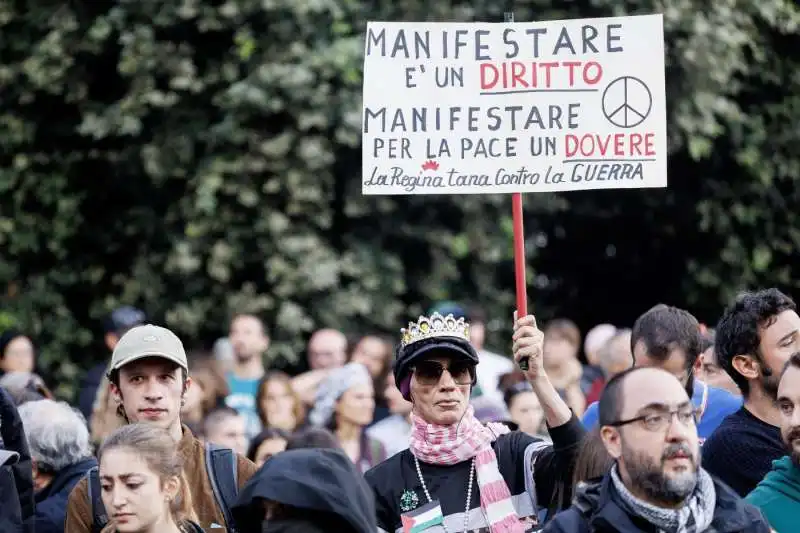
(430, 372)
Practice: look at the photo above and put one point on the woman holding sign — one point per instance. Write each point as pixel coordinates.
(459, 475)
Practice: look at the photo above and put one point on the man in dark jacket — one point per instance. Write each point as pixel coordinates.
(307, 490)
(16, 483)
(61, 452)
(649, 427)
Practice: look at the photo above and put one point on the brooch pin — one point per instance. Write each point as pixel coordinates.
(408, 501)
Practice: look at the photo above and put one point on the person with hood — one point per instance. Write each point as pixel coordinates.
(310, 490)
(648, 425)
(16, 477)
(778, 494)
(458, 473)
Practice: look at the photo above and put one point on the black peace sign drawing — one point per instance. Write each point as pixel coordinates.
(627, 102)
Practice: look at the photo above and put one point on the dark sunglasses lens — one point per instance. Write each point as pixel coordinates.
(461, 372)
(428, 372)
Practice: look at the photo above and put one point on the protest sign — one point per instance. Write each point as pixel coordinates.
(479, 108)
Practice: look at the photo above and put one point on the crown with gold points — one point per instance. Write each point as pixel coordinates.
(434, 326)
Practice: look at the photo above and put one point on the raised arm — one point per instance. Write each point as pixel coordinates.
(552, 465)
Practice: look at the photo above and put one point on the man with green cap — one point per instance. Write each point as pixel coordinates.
(149, 378)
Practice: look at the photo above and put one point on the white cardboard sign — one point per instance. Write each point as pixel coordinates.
(479, 108)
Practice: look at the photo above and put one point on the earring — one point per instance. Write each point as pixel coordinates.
(183, 401)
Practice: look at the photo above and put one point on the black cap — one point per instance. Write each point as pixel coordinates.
(447, 346)
(124, 318)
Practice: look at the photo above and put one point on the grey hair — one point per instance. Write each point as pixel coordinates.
(57, 434)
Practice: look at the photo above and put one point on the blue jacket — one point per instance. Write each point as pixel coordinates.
(51, 502)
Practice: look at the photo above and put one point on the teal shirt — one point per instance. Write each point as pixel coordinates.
(242, 397)
(778, 496)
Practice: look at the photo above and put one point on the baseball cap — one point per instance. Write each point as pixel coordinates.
(148, 341)
(8, 457)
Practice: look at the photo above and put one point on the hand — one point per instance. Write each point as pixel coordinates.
(528, 342)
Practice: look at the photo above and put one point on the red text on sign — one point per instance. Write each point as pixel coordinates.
(613, 145)
(539, 74)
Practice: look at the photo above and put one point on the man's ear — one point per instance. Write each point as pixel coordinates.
(747, 366)
(612, 441)
(115, 393)
(187, 384)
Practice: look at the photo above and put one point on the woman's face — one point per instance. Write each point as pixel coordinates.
(267, 449)
(372, 353)
(357, 405)
(278, 404)
(441, 400)
(527, 412)
(18, 356)
(134, 496)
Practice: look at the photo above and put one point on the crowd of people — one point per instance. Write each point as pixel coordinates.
(663, 426)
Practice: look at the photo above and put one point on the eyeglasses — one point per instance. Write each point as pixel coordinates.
(659, 421)
(430, 372)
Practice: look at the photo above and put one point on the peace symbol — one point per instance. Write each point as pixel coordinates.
(627, 102)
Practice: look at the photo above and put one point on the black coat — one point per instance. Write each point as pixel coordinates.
(596, 509)
(51, 502)
(16, 481)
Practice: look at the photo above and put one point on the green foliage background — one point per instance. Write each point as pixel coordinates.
(197, 158)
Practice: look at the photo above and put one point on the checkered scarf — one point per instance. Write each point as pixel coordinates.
(456, 443)
(694, 516)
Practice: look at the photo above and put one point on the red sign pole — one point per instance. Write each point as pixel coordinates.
(519, 255)
(519, 248)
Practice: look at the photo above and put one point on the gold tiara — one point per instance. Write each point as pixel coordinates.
(434, 326)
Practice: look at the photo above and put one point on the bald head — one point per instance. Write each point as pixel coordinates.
(327, 348)
(630, 392)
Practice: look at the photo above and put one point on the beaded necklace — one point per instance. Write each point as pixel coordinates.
(469, 491)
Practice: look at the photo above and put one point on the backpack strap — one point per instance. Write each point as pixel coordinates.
(222, 470)
(99, 516)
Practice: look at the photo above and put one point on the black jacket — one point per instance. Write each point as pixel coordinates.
(596, 509)
(51, 502)
(317, 487)
(16, 481)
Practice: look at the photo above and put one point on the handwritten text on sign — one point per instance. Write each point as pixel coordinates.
(522, 107)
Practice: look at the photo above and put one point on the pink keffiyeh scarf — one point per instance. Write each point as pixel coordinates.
(450, 445)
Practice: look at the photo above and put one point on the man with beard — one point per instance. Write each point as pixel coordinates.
(778, 494)
(669, 338)
(754, 340)
(648, 426)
